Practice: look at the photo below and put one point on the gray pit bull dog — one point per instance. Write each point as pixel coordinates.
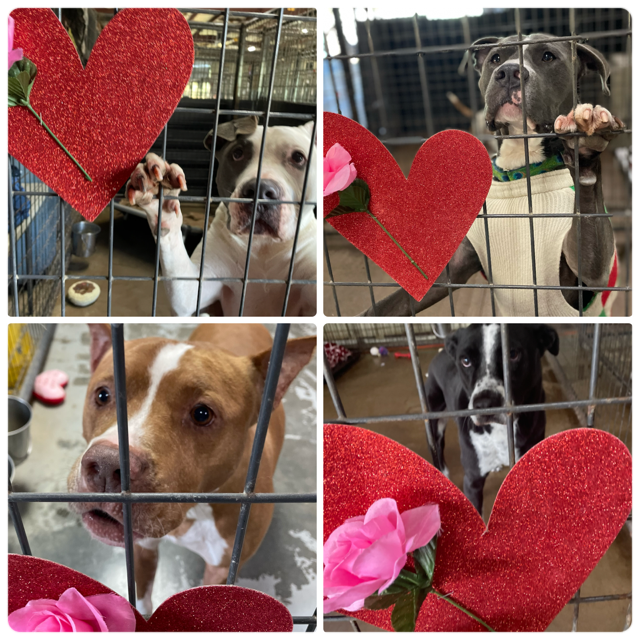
(548, 88)
(284, 164)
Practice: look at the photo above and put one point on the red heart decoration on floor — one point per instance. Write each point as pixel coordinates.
(213, 608)
(556, 513)
(107, 115)
(48, 386)
(429, 213)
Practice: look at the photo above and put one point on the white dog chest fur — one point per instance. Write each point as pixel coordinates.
(492, 449)
(203, 536)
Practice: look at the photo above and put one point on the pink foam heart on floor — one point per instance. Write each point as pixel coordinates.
(48, 386)
(429, 213)
(556, 513)
(107, 115)
(212, 608)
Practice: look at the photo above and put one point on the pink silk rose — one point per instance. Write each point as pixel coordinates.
(367, 553)
(14, 54)
(73, 612)
(339, 171)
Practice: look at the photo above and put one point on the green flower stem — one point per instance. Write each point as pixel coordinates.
(53, 135)
(455, 604)
(411, 260)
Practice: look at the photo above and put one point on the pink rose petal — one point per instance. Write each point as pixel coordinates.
(366, 554)
(339, 171)
(73, 612)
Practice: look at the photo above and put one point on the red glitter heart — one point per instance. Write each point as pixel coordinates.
(555, 515)
(107, 115)
(429, 213)
(213, 608)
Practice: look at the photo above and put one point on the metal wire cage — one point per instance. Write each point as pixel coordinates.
(399, 77)
(127, 499)
(247, 63)
(593, 370)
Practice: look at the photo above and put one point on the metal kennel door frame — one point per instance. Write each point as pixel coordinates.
(420, 51)
(15, 278)
(127, 499)
(588, 405)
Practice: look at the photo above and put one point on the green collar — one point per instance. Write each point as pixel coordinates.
(549, 164)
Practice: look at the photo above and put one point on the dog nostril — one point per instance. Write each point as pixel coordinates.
(500, 75)
(270, 194)
(516, 74)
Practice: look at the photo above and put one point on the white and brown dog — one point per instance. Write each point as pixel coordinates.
(192, 409)
(284, 165)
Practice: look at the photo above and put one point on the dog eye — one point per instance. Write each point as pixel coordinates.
(298, 158)
(237, 153)
(465, 362)
(103, 395)
(514, 355)
(547, 56)
(495, 58)
(202, 415)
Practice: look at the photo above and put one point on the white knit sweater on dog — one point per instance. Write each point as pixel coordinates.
(511, 263)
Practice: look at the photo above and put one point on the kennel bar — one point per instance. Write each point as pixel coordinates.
(464, 47)
(305, 97)
(264, 415)
(126, 498)
(260, 160)
(419, 52)
(512, 410)
(417, 373)
(465, 413)
(298, 222)
(207, 210)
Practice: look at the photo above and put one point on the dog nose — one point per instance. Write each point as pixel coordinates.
(269, 190)
(101, 468)
(487, 400)
(508, 75)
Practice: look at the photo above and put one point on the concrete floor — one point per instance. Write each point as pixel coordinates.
(133, 255)
(284, 566)
(386, 386)
(348, 264)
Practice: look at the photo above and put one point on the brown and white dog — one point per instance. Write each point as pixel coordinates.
(192, 409)
(284, 165)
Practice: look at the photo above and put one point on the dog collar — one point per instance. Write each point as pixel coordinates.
(536, 168)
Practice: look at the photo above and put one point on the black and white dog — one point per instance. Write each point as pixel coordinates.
(547, 80)
(468, 374)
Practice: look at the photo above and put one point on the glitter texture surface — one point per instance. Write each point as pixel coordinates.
(107, 115)
(557, 512)
(213, 608)
(429, 213)
(221, 609)
(35, 578)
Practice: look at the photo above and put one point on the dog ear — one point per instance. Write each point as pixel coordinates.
(477, 57)
(451, 345)
(308, 127)
(297, 354)
(548, 339)
(593, 60)
(228, 131)
(100, 343)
